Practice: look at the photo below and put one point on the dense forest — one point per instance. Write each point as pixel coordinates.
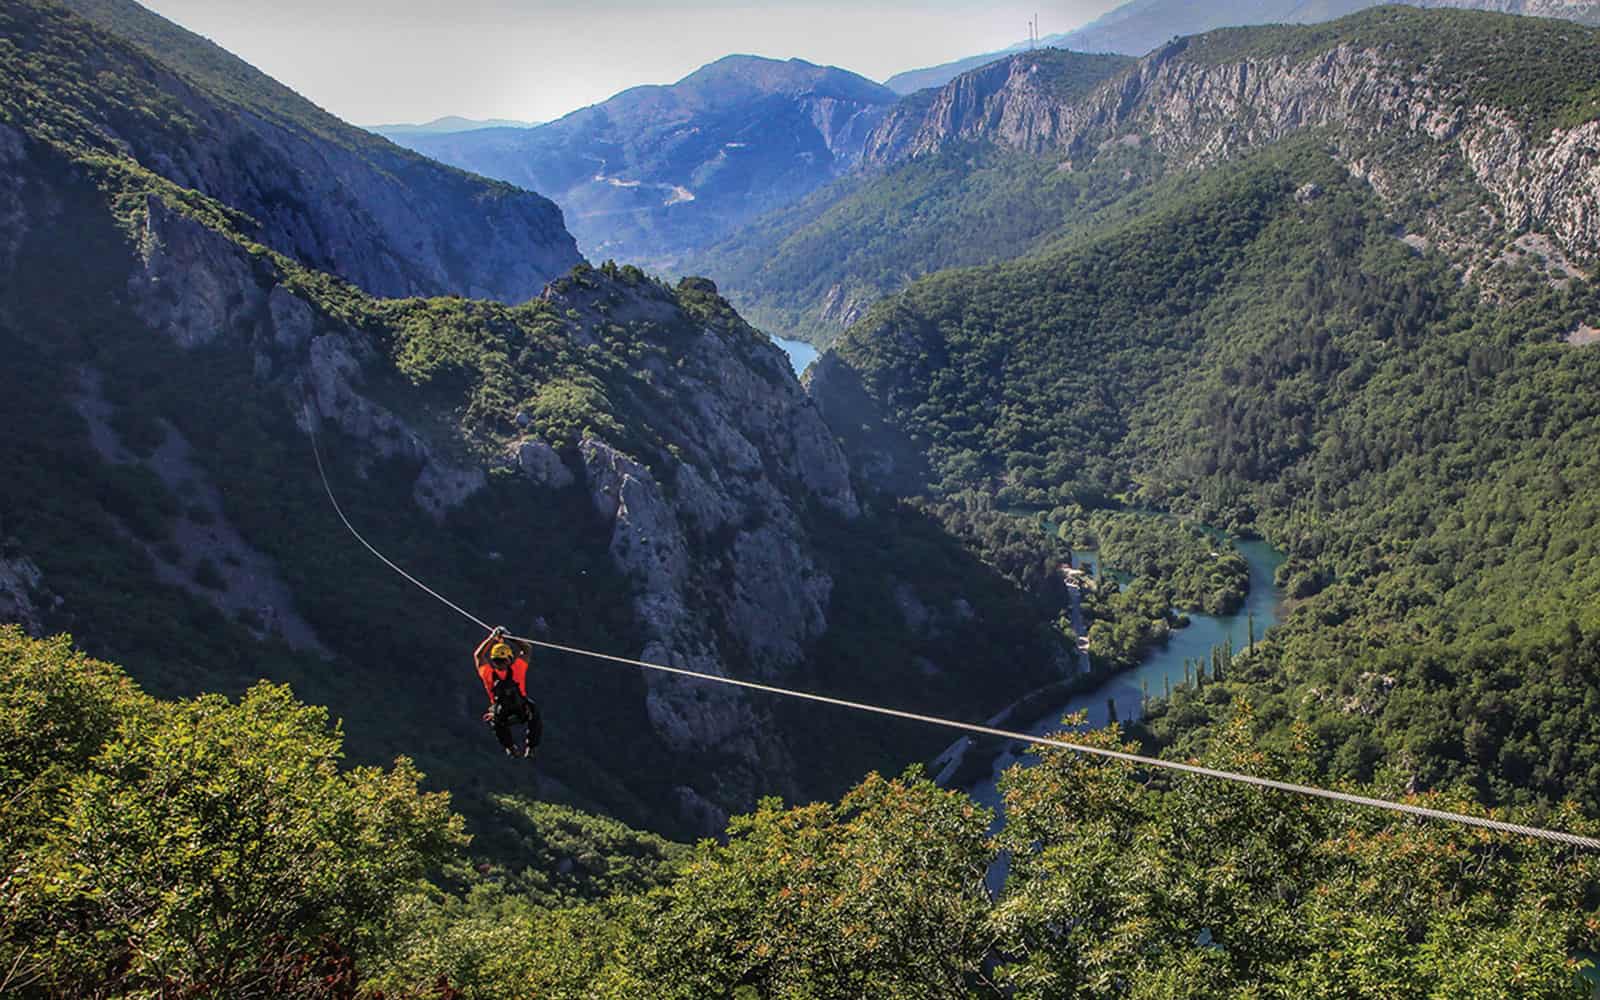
(157, 848)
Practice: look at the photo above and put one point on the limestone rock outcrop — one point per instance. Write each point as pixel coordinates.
(20, 582)
(709, 526)
(1401, 127)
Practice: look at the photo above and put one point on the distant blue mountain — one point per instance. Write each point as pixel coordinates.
(448, 125)
(658, 171)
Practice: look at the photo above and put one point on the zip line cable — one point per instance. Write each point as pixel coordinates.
(317, 451)
(1155, 762)
(1421, 812)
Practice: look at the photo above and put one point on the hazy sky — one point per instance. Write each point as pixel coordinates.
(372, 61)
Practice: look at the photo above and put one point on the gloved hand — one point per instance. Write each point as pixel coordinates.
(488, 716)
(499, 632)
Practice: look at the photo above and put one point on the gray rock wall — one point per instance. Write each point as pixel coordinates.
(712, 535)
(1193, 114)
(20, 583)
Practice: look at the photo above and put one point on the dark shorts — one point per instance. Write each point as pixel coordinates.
(508, 713)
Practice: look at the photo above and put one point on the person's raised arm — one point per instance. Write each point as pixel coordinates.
(480, 655)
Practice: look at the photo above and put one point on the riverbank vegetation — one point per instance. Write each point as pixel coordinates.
(1148, 571)
(1199, 570)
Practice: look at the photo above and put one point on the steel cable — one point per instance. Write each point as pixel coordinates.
(1348, 798)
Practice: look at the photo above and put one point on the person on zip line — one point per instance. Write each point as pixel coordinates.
(502, 663)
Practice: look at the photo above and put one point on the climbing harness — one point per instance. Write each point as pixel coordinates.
(1421, 812)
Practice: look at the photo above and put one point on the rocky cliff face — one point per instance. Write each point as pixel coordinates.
(708, 525)
(386, 220)
(330, 195)
(20, 581)
(1016, 102)
(1582, 11)
(1141, 26)
(711, 535)
(1197, 113)
(1404, 127)
(15, 199)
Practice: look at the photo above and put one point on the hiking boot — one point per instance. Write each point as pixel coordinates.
(513, 753)
(527, 752)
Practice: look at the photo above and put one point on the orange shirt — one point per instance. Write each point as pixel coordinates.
(519, 673)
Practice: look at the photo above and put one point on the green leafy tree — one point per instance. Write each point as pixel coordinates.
(879, 895)
(207, 847)
(57, 708)
(1211, 889)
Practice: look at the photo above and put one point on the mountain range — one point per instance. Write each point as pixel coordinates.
(661, 175)
(1018, 154)
(659, 170)
(447, 125)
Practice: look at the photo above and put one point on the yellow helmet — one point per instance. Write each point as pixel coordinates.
(500, 651)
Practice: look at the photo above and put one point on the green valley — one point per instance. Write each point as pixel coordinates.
(1313, 300)
(1263, 358)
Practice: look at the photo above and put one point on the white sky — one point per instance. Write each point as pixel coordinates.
(372, 62)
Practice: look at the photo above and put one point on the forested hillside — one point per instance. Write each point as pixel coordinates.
(158, 847)
(1265, 355)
